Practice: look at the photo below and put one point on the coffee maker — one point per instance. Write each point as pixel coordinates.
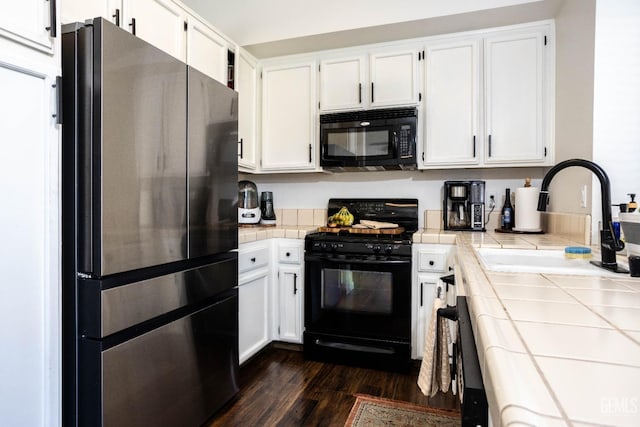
(463, 205)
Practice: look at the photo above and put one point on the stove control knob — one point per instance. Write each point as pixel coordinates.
(388, 249)
(334, 246)
(377, 248)
(323, 246)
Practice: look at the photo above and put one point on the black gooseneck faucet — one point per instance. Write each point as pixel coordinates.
(609, 245)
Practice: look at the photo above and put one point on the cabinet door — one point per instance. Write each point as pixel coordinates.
(289, 117)
(342, 83)
(290, 286)
(29, 255)
(514, 73)
(246, 86)
(425, 292)
(159, 22)
(206, 50)
(253, 314)
(393, 78)
(27, 22)
(452, 106)
(81, 10)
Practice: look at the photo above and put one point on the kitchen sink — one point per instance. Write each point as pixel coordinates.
(537, 261)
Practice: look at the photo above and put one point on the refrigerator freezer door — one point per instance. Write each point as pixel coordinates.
(112, 305)
(139, 137)
(213, 166)
(173, 376)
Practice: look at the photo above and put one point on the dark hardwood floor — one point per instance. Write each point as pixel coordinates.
(280, 388)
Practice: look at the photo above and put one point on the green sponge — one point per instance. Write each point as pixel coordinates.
(579, 252)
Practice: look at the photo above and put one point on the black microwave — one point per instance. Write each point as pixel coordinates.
(369, 139)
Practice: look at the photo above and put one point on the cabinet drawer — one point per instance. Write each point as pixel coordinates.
(252, 258)
(432, 261)
(290, 254)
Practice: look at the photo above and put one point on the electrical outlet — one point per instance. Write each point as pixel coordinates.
(492, 201)
(583, 197)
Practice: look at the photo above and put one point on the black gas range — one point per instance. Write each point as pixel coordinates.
(358, 287)
(403, 212)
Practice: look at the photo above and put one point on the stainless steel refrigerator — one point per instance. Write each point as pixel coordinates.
(150, 306)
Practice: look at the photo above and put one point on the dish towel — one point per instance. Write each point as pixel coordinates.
(460, 379)
(435, 374)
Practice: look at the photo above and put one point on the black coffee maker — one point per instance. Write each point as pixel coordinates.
(463, 205)
(268, 216)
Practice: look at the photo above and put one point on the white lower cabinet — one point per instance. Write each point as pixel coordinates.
(253, 298)
(289, 279)
(426, 289)
(430, 262)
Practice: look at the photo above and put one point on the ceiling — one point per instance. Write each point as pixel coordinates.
(281, 27)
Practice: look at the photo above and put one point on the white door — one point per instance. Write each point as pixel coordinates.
(393, 78)
(342, 83)
(246, 86)
(289, 117)
(206, 50)
(81, 10)
(452, 104)
(514, 81)
(28, 22)
(30, 330)
(253, 315)
(290, 286)
(159, 22)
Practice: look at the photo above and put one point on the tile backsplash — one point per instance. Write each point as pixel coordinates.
(575, 227)
(294, 217)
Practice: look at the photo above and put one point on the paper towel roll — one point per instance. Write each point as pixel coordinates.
(526, 209)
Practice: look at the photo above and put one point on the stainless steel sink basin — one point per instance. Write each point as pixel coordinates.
(537, 261)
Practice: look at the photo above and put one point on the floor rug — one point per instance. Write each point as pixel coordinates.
(370, 411)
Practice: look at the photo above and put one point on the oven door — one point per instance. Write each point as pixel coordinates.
(356, 297)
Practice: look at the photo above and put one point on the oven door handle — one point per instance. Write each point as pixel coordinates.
(357, 261)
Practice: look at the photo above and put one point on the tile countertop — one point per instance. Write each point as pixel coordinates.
(554, 350)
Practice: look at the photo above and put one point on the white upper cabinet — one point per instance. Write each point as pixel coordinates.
(159, 22)
(29, 22)
(166, 24)
(246, 85)
(341, 83)
(207, 51)
(289, 117)
(489, 99)
(393, 78)
(81, 10)
(515, 98)
(383, 79)
(452, 103)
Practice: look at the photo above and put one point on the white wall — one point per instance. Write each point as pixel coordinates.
(574, 103)
(616, 125)
(314, 190)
